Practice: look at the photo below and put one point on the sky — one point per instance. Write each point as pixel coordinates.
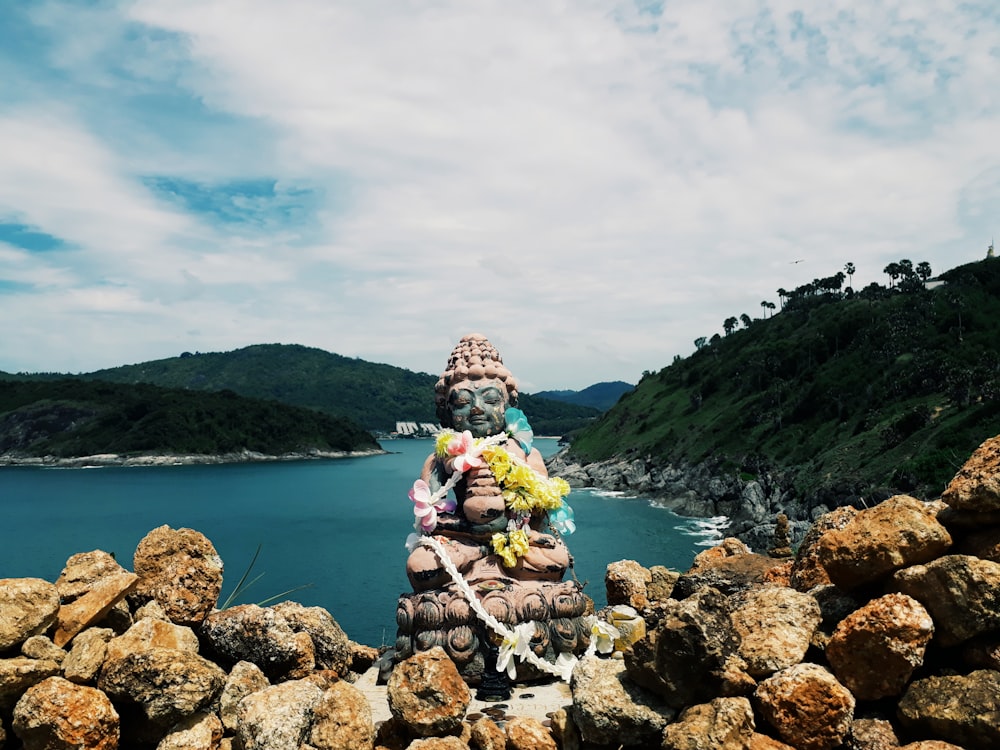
(592, 184)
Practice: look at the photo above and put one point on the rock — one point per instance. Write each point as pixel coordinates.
(260, 635)
(277, 717)
(976, 487)
(834, 604)
(57, 714)
(775, 626)
(662, 584)
(331, 645)
(722, 724)
(607, 707)
(875, 650)
(83, 570)
(427, 693)
(486, 735)
(625, 582)
(28, 606)
(963, 709)
(696, 653)
(19, 674)
(807, 706)
(807, 572)
(244, 678)
(982, 652)
(342, 720)
(896, 533)
(631, 627)
(763, 742)
(438, 743)
(962, 594)
(930, 745)
(181, 570)
(871, 734)
(526, 733)
(729, 567)
(92, 606)
(199, 731)
(984, 544)
(42, 647)
(167, 684)
(87, 655)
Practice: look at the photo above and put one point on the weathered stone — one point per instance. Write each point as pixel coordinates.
(779, 575)
(608, 707)
(807, 706)
(982, 652)
(92, 606)
(277, 717)
(260, 635)
(486, 735)
(28, 606)
(775, 626)
(662, 584)
(19, 674)
(181, 570)
(84, 660)
(875, 650)
(807, 572)
(835, 604)
(427, 693)
(729, 574)
(962, 594)
(147, 634)
(963, 709)
(42, 647)
(199, 731)
(728, 547)
(83, 570)
(151, 610)
(564, 729)
(342, 720)
(166, 683)
(896, 533)
(631, 627)
(722, 724)
(871, 734)
(438, 743)
(57, 714)
(984, 544)
(976, 486)
(696, 653)
(526, 733)
(244, 678)
(331, 645)
(931, 745)
(764, 742)
(625, 582)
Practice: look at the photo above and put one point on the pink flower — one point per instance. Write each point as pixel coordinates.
(462, 447)
(427, 505)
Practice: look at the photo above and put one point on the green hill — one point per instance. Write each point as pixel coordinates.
(601, 396)
(842, 392)
(371, 394)
(74, 417)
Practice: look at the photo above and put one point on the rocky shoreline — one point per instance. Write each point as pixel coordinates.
(881, 632)
(171, 459)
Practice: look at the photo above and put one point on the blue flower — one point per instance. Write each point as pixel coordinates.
(518, 428)
(562, 519)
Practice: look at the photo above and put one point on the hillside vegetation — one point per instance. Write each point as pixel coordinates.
(600, 396)
(68, 418)
(887, 388)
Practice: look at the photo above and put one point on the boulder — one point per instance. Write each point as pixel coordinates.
(28, 606)
(57, 714)
(260, 635)
(871, 734)
(984, 543)
(332, 647)
(84, 660)
(976, 486)
(625, 582)
(896, 533)
(199, 731)
(722, 724)
(342, 720)
(147, 634)
(662, 584)
(486, 735)
(181, 570)
(244, 678)
(438, 743)
(608, 707)
(83, 570)
(807, 572)
(526, 733)
(775, 626)
(20, 673)
(875, 650)
(963, 709)
(427, 693)
(93, 606)
(961, 593)
(731, 567)
(807, 706)
(42, 647)
(277, 717)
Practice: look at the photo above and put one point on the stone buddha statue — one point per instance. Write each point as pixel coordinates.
(488, 560)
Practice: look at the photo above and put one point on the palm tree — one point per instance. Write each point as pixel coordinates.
(782, 294)
(894, 271)
(745, 319)
(924, 270)
(849, 269)
(729, 324)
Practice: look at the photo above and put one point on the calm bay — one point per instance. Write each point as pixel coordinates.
(337, 526)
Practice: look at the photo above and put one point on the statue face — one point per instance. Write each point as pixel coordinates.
(478, 408)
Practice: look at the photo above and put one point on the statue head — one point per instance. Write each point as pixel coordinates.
(475, 389)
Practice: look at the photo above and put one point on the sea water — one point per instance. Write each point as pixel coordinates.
(330, 532)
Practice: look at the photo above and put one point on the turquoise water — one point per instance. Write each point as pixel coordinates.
(337, 526)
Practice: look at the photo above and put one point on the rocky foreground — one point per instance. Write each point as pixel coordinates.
(881, 632)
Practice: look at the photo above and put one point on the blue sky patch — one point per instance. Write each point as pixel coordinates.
(26, 238)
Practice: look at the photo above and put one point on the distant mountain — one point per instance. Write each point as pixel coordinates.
(601, 396)
(374, 395)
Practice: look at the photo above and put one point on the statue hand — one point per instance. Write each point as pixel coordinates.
(541, 540)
